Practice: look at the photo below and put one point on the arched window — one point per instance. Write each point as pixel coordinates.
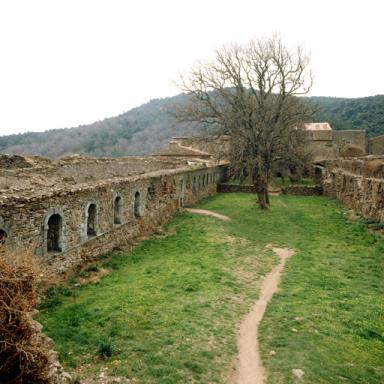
(117, 210)
(136, 208)
(194, 187)
(91, 220)
(3, 237)
(318, 172)
(54, 233)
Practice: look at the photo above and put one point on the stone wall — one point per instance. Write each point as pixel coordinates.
(26, 217)
(323, 149)
(323, 144)
(217, 146)
(302, 190)
(231, 188)
(357, 182)
(376, 145)
(355, 137)
(329, 144)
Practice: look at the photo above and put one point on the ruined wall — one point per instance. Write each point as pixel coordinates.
(26, 218)
(323, 149)
(323, 144)
(231, 188)
(330, 144)
(376, 145)
(302, 190)
(217, 146)
(355, 137)
(357, 182)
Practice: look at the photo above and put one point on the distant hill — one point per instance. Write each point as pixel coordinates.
(140, 131)
(148, 128)
(362, 113)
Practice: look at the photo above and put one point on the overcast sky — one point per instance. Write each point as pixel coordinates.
(69, 62)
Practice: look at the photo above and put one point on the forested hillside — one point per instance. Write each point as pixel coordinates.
(148, 128)
(139, 131)
(363, 113)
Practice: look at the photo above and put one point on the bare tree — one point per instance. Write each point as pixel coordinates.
(250, 93)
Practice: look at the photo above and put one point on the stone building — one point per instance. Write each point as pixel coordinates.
(323, 142)
(77, 208)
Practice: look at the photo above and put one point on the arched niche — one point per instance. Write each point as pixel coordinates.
(53, 232)
(117, 210)
(3, 237)
(137, 204)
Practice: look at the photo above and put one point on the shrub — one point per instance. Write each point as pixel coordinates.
(377, 226)
(25, 354)
(105, 349)
(92, 268)
(351, 150)
(374, 168)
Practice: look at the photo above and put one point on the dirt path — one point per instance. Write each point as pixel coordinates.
(249, 368)
(208, 213)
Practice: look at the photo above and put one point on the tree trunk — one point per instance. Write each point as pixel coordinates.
(261, 198)
(260, 181)
(262, 194)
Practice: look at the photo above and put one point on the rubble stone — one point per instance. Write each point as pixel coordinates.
(358, 183)
(65, 210)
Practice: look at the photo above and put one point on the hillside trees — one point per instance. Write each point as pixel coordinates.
(361, 113)
(250, 93)
(148, 128)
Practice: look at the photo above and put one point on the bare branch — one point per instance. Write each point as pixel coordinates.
(250, 92)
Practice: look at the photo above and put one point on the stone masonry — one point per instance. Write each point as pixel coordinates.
(357, 182)
(323, 142)
(78, 208)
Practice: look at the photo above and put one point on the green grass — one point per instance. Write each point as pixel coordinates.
(167, 313)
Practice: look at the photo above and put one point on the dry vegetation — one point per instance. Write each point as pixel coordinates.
(351, 150)
(375, 168)
(26, 356)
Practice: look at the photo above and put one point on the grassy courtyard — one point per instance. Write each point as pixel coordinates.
(167, 311)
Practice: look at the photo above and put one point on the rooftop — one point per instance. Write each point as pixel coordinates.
(29, 177)
(317, 127)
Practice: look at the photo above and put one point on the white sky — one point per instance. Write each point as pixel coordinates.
(70, 62)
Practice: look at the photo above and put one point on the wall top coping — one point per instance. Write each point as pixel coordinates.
(50, 187)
